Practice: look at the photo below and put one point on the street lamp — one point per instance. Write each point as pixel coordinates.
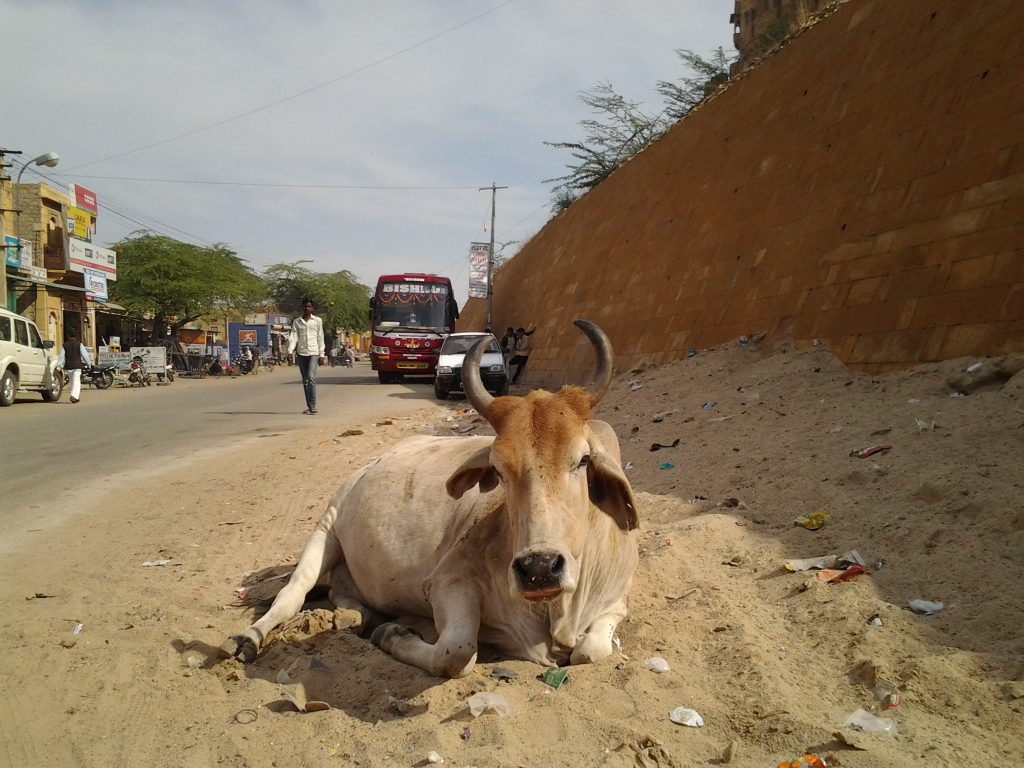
(50, 159)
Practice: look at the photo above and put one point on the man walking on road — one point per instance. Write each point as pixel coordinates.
(73, 355)
(307, 344)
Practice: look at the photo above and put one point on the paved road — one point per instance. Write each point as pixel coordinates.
(59, 453)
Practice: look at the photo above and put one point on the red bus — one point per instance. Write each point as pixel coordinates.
(410, 315)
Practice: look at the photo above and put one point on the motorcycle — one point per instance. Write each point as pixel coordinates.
(138, 374)
(168, 373)
(100, 375)
(242, 365)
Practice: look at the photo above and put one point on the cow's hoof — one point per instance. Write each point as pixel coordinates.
(241, 648)
(384, 635)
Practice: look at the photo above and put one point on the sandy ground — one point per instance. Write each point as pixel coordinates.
(773, 661)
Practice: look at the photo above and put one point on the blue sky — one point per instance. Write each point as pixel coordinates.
(410, 105)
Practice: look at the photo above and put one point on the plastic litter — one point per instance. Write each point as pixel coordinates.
(666, 465)
(555, 676)
(657, 664)
(868, 723)
(629, 466)
(635, 385)
(688, 717)
(691, 352)
(807, 761)
(871, 450)
(483, 701)
(810, 563)
(466, 733)
(435, 758)
(973, 368)
(504, 675)
(155, 563)
(708, 406)
(833, 576)
(660, 417)
(78, 629)
(875, 620)
(851, 558)
(812, 521)
(925, 607)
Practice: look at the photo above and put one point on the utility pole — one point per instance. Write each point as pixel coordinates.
(490, 256)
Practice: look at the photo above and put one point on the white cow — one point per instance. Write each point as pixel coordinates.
(524, 541)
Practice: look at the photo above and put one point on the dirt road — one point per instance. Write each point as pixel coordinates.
(773, 661)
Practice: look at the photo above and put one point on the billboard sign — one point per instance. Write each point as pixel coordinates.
(79, 224)
(84, 198)
(83, 255)
(95, 284)
(479, 255)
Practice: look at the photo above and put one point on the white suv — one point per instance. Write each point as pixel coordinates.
(26, 361)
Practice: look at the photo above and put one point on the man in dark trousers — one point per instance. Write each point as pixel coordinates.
(73, 355)
(523, 345)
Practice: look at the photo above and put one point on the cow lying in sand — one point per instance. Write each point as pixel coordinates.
(523, 541)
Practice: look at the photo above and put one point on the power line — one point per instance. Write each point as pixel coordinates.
(273, 184)
(304, 92)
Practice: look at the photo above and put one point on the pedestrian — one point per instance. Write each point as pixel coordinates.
(73, 355)
(334, 356)
(307, 344)
(255, 360)
(508, 344)
(523, 344)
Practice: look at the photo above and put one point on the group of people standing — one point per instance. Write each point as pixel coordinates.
(515, 346)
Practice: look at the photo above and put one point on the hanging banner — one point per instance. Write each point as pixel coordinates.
(479, 255)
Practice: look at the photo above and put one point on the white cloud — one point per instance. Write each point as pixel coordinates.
(466, 108)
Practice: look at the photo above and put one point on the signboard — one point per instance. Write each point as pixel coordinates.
(83, 255)
(39, 273)
(247, 336)
(26, 255)
(11, 257)
(95, 284)
(79, 224)
(154, 358)
(479, 255)
(84, 198)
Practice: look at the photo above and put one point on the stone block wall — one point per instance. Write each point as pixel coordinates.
(863, 187)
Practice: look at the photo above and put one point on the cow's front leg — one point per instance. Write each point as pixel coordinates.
(596, 643)
(457, 619)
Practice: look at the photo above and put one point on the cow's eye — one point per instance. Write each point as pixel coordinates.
(584, 461)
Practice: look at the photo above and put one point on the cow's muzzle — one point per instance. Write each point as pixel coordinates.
(540, 575)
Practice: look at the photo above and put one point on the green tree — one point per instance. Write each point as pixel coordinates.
(176, 282)
(619, 131)
(338, 297)
(703, 76)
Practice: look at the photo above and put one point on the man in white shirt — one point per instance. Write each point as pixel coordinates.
(307, 344)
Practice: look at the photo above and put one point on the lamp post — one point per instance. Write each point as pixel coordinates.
(50, 159)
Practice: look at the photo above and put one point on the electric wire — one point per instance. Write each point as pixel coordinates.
(298, 94)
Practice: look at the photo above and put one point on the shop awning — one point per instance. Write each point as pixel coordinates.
(47, 283)
(108, 306)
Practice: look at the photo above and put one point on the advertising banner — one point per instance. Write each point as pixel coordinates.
(95, 284)
(83, 255)
(84, 198)
(11, 257)
(479, 255)
(79, 224)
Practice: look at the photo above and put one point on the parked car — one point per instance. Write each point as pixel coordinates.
(493, 372)
(27, 363)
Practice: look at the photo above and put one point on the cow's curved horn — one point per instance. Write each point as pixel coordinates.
(602, 378)
(477, 395)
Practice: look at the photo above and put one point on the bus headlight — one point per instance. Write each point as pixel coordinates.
(380, 350)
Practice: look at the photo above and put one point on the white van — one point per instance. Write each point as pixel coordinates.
(27, 363)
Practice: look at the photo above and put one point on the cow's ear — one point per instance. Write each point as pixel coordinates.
(610, 490)
(476, 469)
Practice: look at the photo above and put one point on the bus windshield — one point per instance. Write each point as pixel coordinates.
(412, 307)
